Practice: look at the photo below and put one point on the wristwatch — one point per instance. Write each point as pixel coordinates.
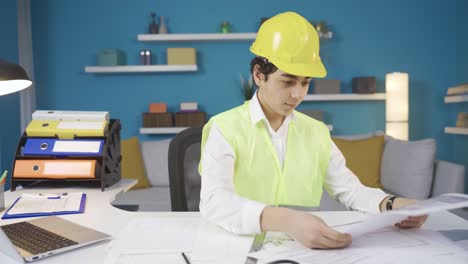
(389, 205)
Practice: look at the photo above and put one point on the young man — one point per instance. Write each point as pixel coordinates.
(264, 154)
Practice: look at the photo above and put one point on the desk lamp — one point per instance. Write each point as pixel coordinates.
(13, 78)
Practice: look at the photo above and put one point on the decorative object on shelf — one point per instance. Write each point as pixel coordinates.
(397, 85)
(181, 56)
(323, 30)
(188, 106)
(111, 57)
(462, 119)
(324, 86)
(145, 57)
(190, 119)
(158, 108)
(157, 120)
(364, 85)
(225, 27)
(247, 88)
(162, 25)
(457, 90)
(153, 26)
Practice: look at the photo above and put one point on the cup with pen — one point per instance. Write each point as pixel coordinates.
(2, 189)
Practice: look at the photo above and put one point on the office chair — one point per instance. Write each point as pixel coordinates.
(184, 179)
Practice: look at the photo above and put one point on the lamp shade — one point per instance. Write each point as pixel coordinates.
(13, 78)
(396, 86)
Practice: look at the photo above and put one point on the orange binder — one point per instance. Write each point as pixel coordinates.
(54, 169)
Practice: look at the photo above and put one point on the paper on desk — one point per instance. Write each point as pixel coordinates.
(389, 218)
(157, 234)
(153, 240)
(385, 246)
(216, 245)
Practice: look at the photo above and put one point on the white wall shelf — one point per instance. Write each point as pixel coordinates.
(345, 97)
(141, 68)
(206, 37)
(456, 98)
(175, 130)
(161, 130)
(197, 37)
(456, 130)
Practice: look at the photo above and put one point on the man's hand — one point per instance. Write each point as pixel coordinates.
(411, 221)
(306, 228)
(313, 232)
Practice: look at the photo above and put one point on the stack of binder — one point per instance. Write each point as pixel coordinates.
(69, 146)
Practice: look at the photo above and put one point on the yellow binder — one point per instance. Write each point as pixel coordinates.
(66, 129)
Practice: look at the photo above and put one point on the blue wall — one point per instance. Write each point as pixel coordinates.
(9, 104)
(370, 38)
(460, 143)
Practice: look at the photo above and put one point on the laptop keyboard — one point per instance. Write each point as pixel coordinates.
(35, 239)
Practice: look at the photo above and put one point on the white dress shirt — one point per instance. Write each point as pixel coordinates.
(220, 204)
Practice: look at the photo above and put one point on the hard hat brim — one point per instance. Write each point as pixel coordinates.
(315, 70)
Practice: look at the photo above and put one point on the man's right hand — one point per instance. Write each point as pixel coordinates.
(313, 232)
(309, 230)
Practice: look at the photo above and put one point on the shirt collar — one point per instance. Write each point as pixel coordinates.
(257, 114)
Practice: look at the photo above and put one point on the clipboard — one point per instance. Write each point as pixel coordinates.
(33, 205)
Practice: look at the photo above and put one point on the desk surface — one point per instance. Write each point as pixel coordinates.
(101, 215)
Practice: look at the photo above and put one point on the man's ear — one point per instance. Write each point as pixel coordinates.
(257, 75)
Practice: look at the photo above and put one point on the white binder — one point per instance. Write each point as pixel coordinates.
(70, 115)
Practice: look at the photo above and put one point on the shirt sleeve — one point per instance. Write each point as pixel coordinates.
(344, 186)
(219, 202)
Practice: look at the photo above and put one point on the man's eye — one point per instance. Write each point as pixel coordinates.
(287, 82)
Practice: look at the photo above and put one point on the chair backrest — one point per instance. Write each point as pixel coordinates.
(184, 179)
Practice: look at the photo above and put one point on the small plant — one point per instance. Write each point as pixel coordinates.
(247, 88)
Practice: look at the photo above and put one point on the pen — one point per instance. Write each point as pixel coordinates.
(187, 261)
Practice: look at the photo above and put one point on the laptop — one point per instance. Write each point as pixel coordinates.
(44, 237)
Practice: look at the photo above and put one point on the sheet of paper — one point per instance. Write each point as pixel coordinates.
(144, 257)
(215, 245)
(389, 218)
(33, 203)
(158, 234)
(411, 246)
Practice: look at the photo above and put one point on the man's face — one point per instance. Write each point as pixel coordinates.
(283, 92)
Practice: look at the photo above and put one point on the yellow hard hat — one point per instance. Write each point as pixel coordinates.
(291, 43)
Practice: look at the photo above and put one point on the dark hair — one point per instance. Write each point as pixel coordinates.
(265, 66)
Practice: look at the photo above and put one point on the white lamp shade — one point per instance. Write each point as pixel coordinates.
(13, 78)
(396, 85)
(397, 130)
(7, 87)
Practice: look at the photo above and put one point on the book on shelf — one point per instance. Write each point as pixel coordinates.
(457, 90)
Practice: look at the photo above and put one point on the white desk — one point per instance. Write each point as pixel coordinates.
(101, 215)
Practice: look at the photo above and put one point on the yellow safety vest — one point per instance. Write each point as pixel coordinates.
(257, 172)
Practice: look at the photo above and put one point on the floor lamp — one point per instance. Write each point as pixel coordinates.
(396, 86)
(13, 78)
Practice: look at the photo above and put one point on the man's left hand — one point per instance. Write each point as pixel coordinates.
(412, 222)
